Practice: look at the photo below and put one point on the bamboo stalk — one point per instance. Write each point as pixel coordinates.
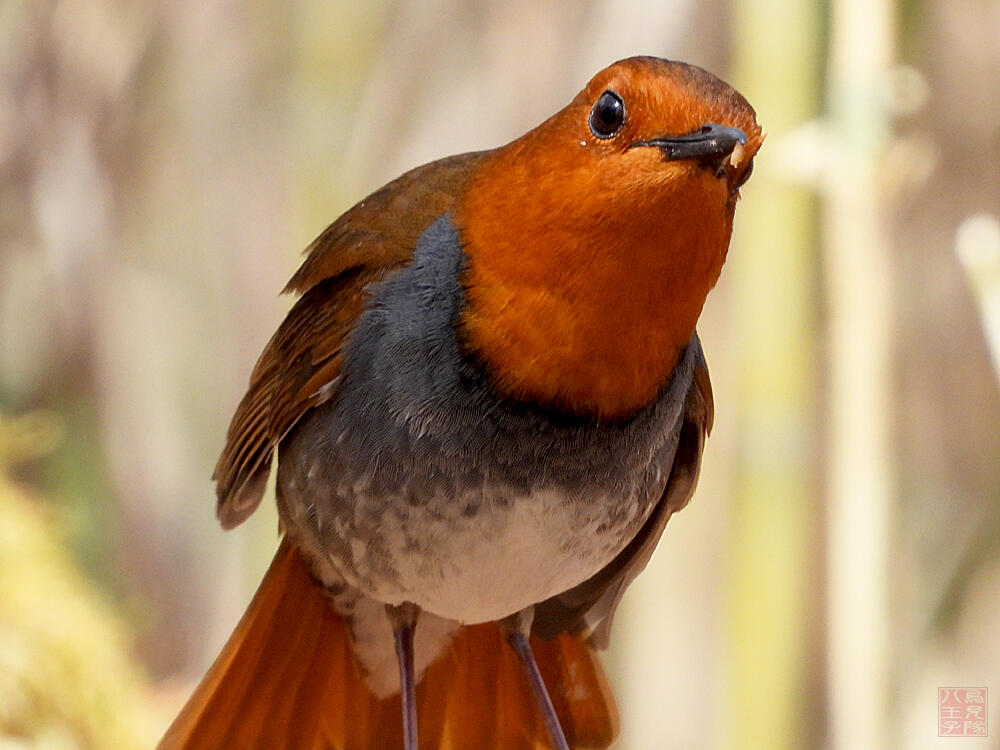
(778, 57)
(859, 278)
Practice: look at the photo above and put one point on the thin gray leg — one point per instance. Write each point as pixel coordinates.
(404, 622)
(518, 627)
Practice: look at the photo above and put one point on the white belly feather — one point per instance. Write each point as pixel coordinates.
(504, 558)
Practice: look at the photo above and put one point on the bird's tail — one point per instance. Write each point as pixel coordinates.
(288, 678)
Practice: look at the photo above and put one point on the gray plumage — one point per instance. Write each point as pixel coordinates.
(415, 457)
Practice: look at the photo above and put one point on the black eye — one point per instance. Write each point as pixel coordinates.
(608, 115)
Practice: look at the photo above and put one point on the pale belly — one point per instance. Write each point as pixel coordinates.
(457, 564)
(500, 560)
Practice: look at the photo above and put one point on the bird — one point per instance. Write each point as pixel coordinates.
(484, 406)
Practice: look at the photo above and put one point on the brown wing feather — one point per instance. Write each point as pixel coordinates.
(382, 230)
(299, 366)
(591, 605)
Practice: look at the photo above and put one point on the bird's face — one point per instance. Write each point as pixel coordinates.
(654, 126)
(649, 149)
(593, 240)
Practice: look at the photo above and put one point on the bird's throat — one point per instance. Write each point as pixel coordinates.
(586, 314)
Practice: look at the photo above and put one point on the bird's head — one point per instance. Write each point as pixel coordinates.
(658, 126)
(593, 240)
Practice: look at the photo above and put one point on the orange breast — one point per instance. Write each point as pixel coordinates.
(580, 298)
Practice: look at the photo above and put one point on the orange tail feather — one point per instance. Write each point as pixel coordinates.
(476, 696)
(288, 678)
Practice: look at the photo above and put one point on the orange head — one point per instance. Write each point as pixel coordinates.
(593, 240)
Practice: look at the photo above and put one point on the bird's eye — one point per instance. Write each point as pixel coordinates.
(608, 115)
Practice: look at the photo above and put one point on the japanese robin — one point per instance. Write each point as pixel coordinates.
(486, 403)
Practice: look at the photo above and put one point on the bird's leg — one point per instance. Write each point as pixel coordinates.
(518, 629)
(404, 622)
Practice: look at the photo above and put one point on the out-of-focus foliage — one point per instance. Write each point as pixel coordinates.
(66, 680)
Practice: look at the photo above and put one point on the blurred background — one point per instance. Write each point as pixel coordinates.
(162, 165)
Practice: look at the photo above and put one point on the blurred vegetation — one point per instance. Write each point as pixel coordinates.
(161, 165)
(66, 681)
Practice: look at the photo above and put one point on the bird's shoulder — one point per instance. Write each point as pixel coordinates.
(299, 367)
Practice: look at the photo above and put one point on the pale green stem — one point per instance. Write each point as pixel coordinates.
(859, 293)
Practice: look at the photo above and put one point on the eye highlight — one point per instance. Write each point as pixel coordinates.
(608, 115)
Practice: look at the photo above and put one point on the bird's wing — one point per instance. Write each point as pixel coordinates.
(298, 368)
(590, 606)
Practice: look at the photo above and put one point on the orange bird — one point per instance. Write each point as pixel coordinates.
(486, 403)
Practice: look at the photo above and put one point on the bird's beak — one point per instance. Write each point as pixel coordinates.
(712, 145)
